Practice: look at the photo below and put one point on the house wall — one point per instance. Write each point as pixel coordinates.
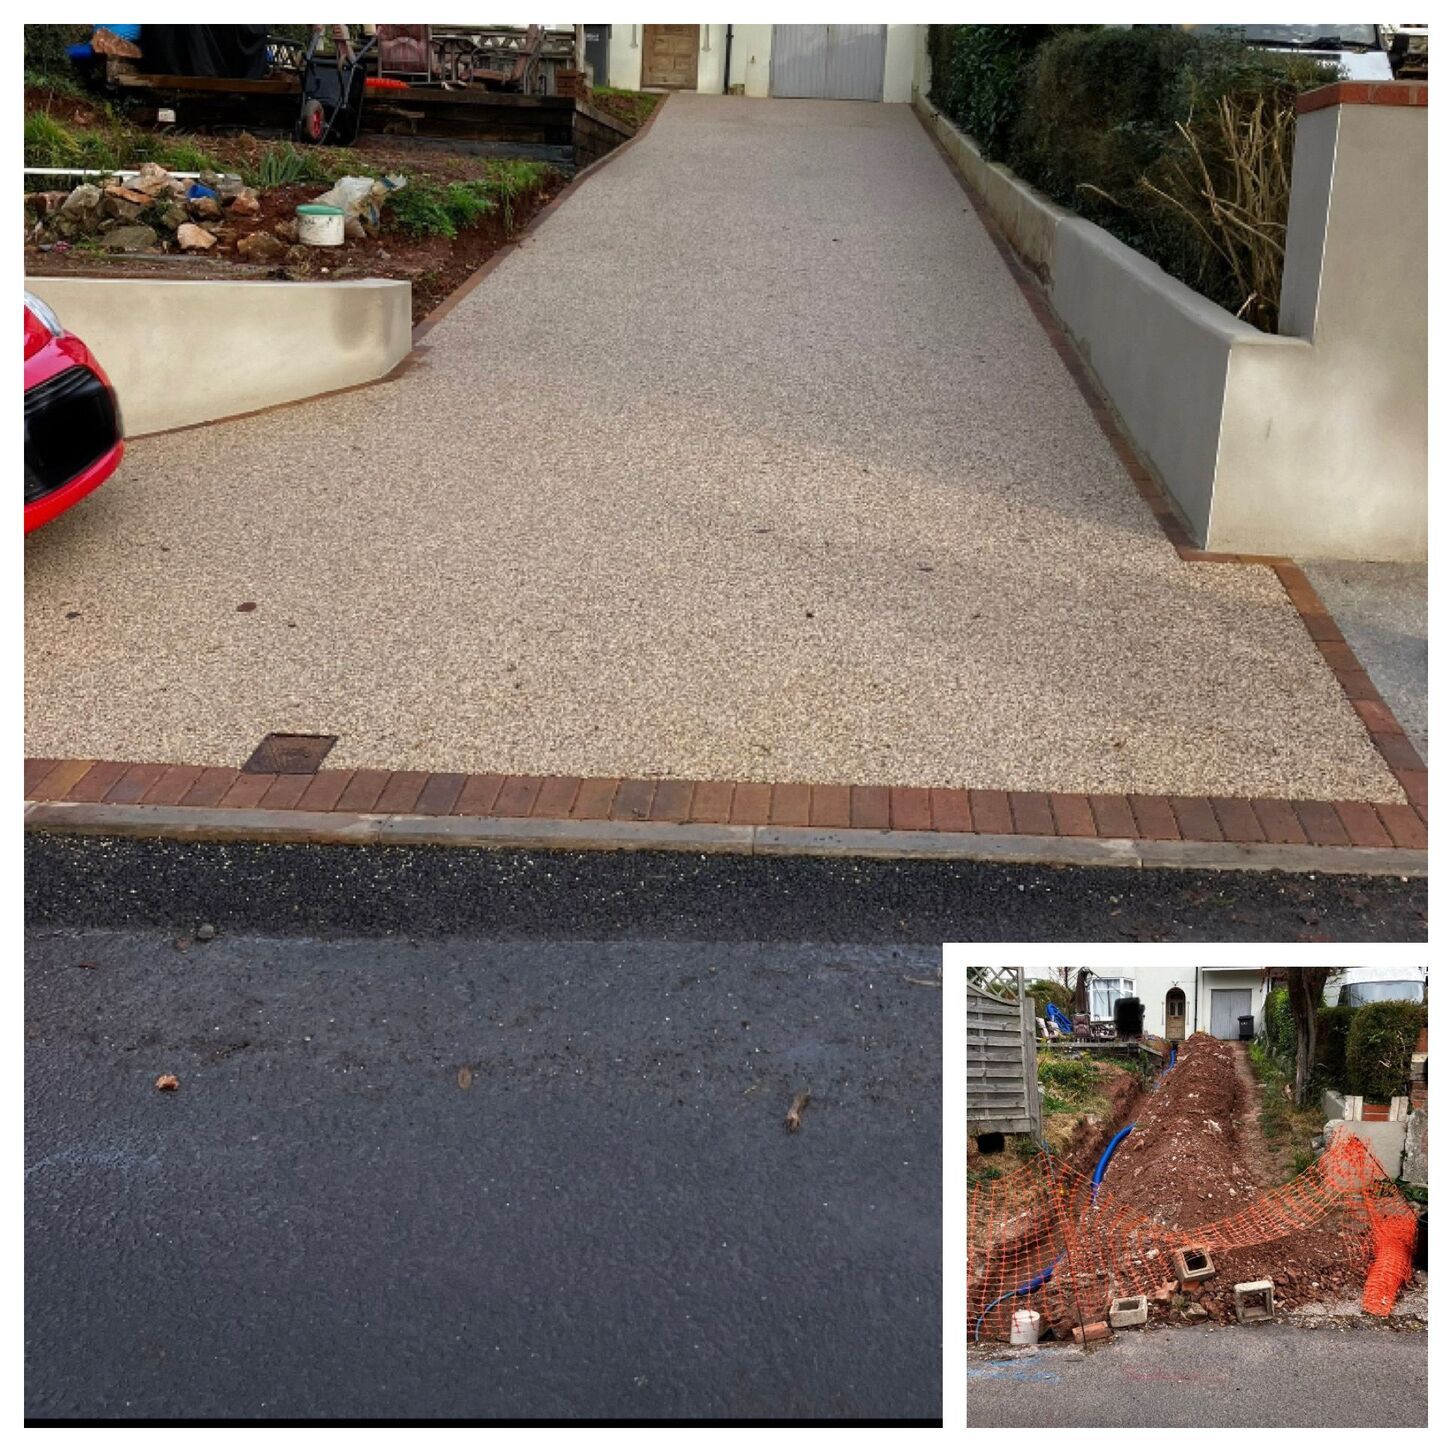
(1211, 978)
(751, 59)
(1310, 442)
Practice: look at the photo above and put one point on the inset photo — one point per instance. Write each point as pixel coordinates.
(1197, 1196)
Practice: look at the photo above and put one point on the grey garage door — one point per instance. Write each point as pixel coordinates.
(830, 62)
(1226, 1006)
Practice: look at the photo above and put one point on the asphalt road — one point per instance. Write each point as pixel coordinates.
(429, 891)
(1252, 1376)
(460, 1178)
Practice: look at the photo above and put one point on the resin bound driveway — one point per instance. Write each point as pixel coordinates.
(751, 463)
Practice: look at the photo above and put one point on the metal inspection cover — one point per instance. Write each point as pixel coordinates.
(289, 755)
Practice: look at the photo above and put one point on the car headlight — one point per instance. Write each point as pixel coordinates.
(44, 313)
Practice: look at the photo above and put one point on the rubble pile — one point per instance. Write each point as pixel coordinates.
(157, 212)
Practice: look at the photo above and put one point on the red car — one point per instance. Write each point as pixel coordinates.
(72, 420)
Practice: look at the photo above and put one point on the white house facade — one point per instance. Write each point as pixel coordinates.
(1181, 1001)
(826, 62)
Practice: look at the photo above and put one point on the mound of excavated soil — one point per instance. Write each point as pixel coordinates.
(1183, 1164)
(1189, 1162)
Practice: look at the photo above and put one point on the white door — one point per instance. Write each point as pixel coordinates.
(1226, 1007)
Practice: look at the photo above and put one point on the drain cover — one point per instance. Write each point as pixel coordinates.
(290, 755)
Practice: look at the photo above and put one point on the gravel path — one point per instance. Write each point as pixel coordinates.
(752, 462)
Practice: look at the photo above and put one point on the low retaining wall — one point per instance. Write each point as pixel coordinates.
(1311, 443)
(188, 352)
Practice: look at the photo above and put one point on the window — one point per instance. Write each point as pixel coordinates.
(1103, 992)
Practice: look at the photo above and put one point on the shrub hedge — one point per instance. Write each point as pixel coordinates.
(1045, 990)
(1126, 125)
(1333, 1025)
(1379, 1048)
(1280, 1027)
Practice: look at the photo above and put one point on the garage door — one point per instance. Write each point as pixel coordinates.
(830, 62)
(1226, 1006)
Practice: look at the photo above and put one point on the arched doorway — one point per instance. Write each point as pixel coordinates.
(1175, 1014)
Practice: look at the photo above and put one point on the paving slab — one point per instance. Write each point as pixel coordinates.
(1382, 611)
(750, 463)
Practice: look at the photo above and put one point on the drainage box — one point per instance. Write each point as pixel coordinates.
(1255, 1301)
(1128, 1311)
(1192, 1263)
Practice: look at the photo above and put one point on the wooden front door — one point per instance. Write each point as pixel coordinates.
(1175, 1015)
(669, 56)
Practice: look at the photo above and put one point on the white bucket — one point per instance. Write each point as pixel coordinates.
(320, 226)
(1025, 1329)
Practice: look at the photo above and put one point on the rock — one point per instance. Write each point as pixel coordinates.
(168, 1083)
(230, 186)
(299, 261)
(121, 209)
(128, 194)
(131, 239)
(43, 204)
(261, 247)
(174, 216)
(209, 179)
(191, 238)
(153, 179)
(245, 204)
(84, 198)
(205, 209)
(286, 229)
(206, 933)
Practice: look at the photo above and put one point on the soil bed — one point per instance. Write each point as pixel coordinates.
(434, 265)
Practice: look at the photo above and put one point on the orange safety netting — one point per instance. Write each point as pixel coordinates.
(1041, 1238)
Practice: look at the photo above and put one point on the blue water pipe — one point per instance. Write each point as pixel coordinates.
(1043, 1277)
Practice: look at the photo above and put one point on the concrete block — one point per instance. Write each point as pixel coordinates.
(1094, 1331)
(1192, 1265)
(1128, 1311)
(1254, 1301)
(1386, 1139)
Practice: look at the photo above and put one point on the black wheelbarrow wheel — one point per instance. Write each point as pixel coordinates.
(311, 123)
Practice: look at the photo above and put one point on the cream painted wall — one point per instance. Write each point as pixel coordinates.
(902, 48)
(268, 342)
(751, 59)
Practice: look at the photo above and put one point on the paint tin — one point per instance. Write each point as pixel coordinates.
(320, 226)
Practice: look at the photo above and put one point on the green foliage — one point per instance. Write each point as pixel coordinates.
(1073, 1076)
(176, 154)
(1046, 990)
(58, 83)
(1379, 1049)
(978, 77)
(49, 142)
(45, 48)
(1178, 144)
(286, 165)
(1333, 1027)
(419, 211)
(424, 209)
(1280, 1027)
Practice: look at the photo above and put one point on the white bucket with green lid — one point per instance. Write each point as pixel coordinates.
(320, 226)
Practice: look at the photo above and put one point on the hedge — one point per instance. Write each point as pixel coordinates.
(1280, 1027)
(1333, 1026)
(1046, 990)
(1379, 1048)
(1126, 125)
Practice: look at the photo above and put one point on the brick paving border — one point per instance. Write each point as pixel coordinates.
(1230, 825)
